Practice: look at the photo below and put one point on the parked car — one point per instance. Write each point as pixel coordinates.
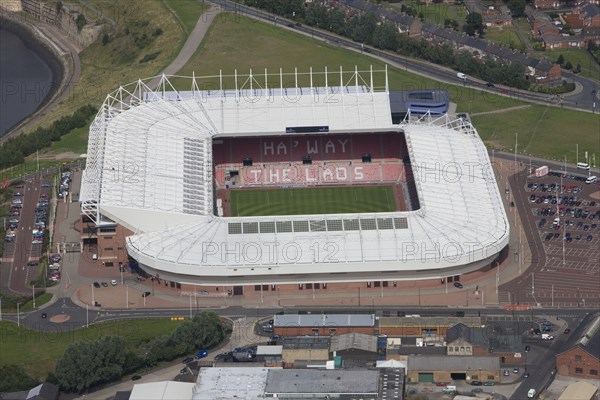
(515, 370)
(488, 383)
(567, 331)
(476, 383)
(136, 378)
(187, 360)
(458, 285)
(146, 294)
(201, 354)
(506, 372)
(113, 282)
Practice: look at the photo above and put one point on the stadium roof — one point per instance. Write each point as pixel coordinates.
(149, 169)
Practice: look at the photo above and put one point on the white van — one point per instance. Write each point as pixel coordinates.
(449, 389)
(582, 165)
(591, 179)
(531, 393)
(462, 76)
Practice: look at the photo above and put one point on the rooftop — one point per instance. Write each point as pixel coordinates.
(165, 390)
(579, 391)
(306, 342)
(359, 341)
(230, 383)
(323, 320)
(306, 381)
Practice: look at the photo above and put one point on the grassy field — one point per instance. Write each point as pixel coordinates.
(589, 68)
(243, 43)
(39, 351)
(187, 12)
(435, 13)
(334, 200)
(73, 142)
(27, 167)
(542, 131)
(506, 36)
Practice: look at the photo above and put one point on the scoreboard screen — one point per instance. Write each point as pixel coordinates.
(307, 129)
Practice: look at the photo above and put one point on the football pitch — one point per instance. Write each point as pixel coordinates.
(323, 200)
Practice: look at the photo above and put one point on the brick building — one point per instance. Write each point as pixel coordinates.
(583, 359)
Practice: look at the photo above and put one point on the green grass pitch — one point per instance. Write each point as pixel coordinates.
(323, 200)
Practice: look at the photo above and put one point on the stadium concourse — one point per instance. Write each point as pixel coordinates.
(163, 164)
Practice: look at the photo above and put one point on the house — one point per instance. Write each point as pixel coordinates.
(405, 23)
(590, 35)
(585, 14)
(583, 359)
(547, 4)
(459, 347)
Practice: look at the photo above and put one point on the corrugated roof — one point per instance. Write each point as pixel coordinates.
(323, 320)
(359, 341)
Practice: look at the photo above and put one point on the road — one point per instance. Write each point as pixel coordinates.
(543, 374)
(583, 101)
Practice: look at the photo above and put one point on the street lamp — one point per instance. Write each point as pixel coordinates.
(18, 315)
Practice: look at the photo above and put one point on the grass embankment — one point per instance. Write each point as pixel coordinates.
(542, 131)
(243, 43)
(39, 351)
(147, 37)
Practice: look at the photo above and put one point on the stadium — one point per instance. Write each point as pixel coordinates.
(287, 179)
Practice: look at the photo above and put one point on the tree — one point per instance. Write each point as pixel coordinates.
(577, 68)
(560, 60)
(105, 39)
(568, 65)
(80, 21)
(516, 7)
(14, 378)
(474, 23)
(384, 37)
(86, 364)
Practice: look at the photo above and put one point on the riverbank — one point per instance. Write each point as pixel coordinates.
(57, 60)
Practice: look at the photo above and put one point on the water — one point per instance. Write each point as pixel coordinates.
(25, 81)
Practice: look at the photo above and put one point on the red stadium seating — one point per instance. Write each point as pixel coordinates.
(336, 159)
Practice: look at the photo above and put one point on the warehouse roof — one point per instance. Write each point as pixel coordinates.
(306, 381)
